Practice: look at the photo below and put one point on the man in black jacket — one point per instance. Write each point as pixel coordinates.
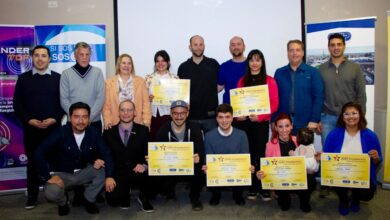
(37, 105)
(180, 130)
(128, 142)
(73, 155)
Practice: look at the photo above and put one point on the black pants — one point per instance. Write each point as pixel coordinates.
(284, 198)
(257, 133)
(197, 181)
(32, 138)
(356, 194)
(124, 181)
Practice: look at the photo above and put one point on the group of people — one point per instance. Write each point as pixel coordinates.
(303, 100)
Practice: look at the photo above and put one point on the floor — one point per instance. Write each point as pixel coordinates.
(12, 207)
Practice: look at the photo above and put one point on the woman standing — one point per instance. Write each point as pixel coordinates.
(351, 136)
(126, 85)
(257, 126)
(160, 113)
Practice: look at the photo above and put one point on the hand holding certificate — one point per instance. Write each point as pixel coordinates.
(284, 173)
(228, 170)
(252, 100)
(171, 158)
(345, 170)
(165, 91)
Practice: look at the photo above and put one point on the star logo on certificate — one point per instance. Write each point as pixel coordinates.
(336, 158)
(163, 147)
(274, 162)
(220, 159)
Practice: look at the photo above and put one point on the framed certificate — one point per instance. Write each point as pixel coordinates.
(252, 100)
(228, 170)
(165, 91)
(284, 173)
(345, 170)
(171, 158)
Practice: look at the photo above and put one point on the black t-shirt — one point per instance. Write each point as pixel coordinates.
(285, 147)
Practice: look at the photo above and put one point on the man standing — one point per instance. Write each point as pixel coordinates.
(203, 73)
(225, 139)
(83, 83)
(128, 142)
(180, 130)
(344, 82)
(232, 70)
(301, 90)
(37, 105)
(73, 155)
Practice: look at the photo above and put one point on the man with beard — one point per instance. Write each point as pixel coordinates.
(203, 73)
(74, 155)
(232, 70)
(128, 142)
(180, 130)
(37, 105)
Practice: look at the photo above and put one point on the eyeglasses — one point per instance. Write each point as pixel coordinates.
(350, 114)
(181, 114)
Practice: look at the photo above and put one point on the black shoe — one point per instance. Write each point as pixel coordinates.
(145, 205)
(306, 208)
(100, 198)
(239, 200)
(214, 201)
(78, 199)
(265, 196)
(90, 207)
(196, 205)
(171, 195)
(63, 210)
(31, 203)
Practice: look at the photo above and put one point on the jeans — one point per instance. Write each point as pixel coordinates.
(328, 124)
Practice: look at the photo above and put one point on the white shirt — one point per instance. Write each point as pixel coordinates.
(352, 144)
(79, 138)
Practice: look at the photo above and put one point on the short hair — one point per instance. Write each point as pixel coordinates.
(164, 55)
(126, 100)
(275, 135)
(79, 105)
(224, 108)
(195, 36)
(40, 47)
(242, 40)
(118, 61)
(336, 36)
(362, 124)
(305, 136)
(82, 45)
(296, 41)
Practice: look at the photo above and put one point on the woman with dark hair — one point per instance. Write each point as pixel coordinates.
(160, 113)
(352, 136)
(257, 126)
(283, 144)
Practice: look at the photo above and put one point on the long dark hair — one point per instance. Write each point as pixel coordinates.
(362, 124)
(262, 76)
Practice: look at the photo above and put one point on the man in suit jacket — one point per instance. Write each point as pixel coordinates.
(73, 155)
(128, 143)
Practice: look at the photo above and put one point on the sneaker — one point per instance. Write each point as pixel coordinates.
(125, 207)
(265, 196)
(252, 195)
(355, 206)
(145, 205)
(91, 207)
(196, 205)
(30, 203)
(63, 210)
(343, 211)
(214, 201)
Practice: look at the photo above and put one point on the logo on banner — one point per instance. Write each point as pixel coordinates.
(18, 59)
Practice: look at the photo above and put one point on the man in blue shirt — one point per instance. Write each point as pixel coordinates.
(232, 70)
(301, 90)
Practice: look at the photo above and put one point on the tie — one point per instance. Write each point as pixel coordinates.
(126, 138)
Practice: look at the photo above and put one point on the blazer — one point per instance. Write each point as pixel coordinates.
(273, 149)
(141, 101)
(59, 152)
(125, 158)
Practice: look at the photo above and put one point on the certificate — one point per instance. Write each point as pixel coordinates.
(171, 158)
(345, 170)
(284, 173)
(252, 100)
(165, 91)
(228, 170)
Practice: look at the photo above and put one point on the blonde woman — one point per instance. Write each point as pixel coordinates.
(125, 85)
